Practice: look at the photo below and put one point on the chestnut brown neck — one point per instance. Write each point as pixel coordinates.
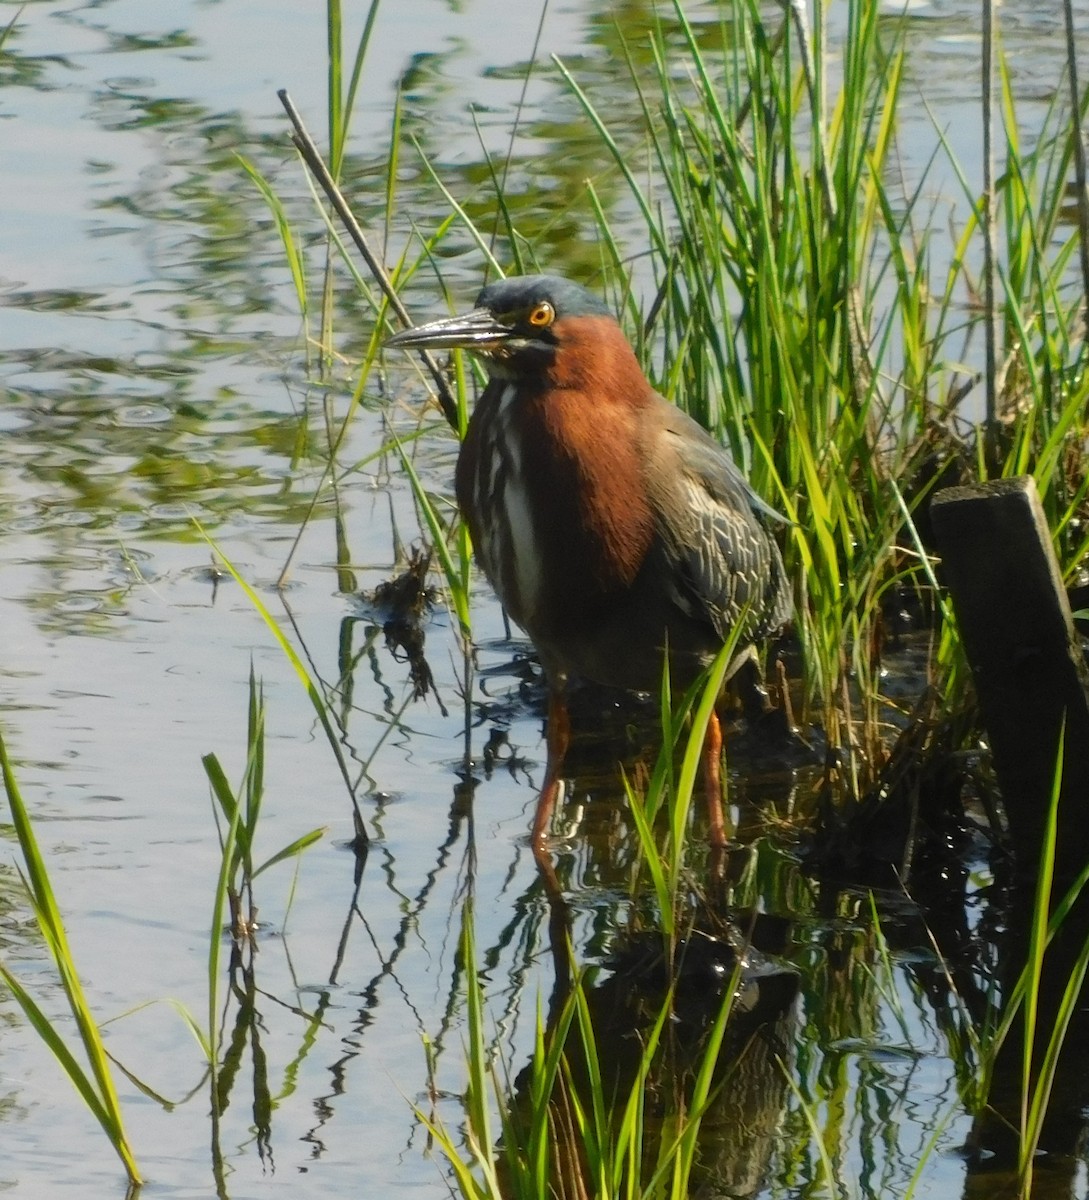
(578, 426)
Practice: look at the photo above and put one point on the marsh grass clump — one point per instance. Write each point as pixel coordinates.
(804, 307)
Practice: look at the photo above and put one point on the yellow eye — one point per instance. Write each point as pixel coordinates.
(542, 315)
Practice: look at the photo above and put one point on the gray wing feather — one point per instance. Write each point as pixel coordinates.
(715, 533)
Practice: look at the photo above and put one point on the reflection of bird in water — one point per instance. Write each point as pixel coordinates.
(607, 1055)
(612, 526)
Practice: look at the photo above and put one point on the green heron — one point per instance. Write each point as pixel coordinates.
(612, 527)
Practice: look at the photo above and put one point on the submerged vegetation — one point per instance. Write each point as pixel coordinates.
(858, 346)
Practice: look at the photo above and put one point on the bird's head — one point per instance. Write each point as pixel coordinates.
(519, 325)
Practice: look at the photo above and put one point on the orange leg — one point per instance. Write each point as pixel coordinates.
(557, 739)
(712, 781)
(784, 698)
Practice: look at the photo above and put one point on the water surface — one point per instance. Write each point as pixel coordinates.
(153, 371)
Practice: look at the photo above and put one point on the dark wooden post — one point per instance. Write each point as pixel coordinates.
(1030, 678)
(1029, 673)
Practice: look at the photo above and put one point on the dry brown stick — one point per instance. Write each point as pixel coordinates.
(304, 143)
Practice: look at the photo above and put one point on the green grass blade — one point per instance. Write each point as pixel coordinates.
(45, 1029)
(300, 670)
(292, 253)
(292, 850)
(105, 1103)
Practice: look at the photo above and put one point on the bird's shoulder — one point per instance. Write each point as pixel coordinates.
(712, 529)
(689, 460)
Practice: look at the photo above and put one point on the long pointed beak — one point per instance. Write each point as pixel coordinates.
(476, 330)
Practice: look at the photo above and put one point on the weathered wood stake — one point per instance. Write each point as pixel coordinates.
(1029, 672)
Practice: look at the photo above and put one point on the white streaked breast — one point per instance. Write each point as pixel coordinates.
(501, 489)
(527, 566)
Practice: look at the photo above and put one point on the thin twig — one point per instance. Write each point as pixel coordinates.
(989, 223)
(518, 118)
(304, 143)
(814, 82)
(1079, 146)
